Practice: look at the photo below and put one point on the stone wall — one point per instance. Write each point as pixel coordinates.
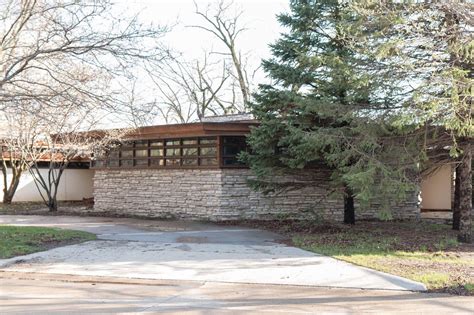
(157, 193)
(221, 194)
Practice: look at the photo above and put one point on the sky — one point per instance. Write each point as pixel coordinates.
(258, 17)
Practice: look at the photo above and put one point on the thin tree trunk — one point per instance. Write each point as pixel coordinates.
(349, 210)
(9, 188)
(52, 205)
(465, 199)
(456, 209)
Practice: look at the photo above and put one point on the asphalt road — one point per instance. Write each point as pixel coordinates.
(58, 294)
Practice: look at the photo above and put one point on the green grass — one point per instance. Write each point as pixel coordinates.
(22, 240)
(426, 253)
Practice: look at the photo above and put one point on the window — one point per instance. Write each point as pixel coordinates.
(231, 147)
(212, 151)
(158, 153)
(126, 154)
(143, 162)
(173, 152)
(141, 153)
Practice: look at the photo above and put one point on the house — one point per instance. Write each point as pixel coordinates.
(192, 171)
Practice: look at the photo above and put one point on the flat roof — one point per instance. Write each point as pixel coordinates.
(197, 129)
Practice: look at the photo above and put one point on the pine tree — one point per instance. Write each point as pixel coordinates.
(429, 47)
(325, 106)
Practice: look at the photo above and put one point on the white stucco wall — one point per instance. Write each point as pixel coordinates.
(75, 184)
(436, 189)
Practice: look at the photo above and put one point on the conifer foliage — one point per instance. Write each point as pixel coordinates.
(326, 106)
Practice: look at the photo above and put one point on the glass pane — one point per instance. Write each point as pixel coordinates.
(190, 151)
(173, 152)
(170, 162)
(113, 163)
(209, 151)
(173, 142)
(157, 162)
(114, 153)
(190, 162)
(208, 161)
(234, 140)
(143, 162)
(189, 141)
(231, 161)
(126, 163)
(231, 150)
(141, 143)
(141, 153)
(127, 154)
(156, 142)
(156, 152)
(207, 140)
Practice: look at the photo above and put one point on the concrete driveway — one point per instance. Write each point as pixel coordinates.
(166, 250)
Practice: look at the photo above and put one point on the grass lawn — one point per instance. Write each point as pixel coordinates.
(21, 240)
(428, 253)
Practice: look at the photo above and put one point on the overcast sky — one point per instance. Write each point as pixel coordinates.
(259, 18)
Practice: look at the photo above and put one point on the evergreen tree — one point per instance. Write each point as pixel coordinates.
(429, 48)
(327, 106)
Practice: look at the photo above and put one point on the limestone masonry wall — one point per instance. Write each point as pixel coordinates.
(220, 194)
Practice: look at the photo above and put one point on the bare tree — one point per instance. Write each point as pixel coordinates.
(67, 137)
(138, 109)
(223, 22)
(194, 89)
(19, 134)
(45, 40)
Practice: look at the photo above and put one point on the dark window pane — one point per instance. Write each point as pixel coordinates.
(190, 151)
(234, 140)
(208, 141)
(190, 162)
(140, 162)
(141, 153)
(127, 154)
(209, 151)
(156, 142)
(171, 162)
(189, 141)
(126, 163)
(173, 152)
(113, 163)
(173, 142)
(157, 162)
(141, 143)
(231, 161)
(156, 152)
(208, 161)
(232, 150)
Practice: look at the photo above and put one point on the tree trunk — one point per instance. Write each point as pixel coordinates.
(349, 211)
(465, 198)
(9, 193)
(52, 205)
(7, 197)
(456, 209)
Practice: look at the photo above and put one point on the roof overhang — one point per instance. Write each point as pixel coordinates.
(192, 130)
